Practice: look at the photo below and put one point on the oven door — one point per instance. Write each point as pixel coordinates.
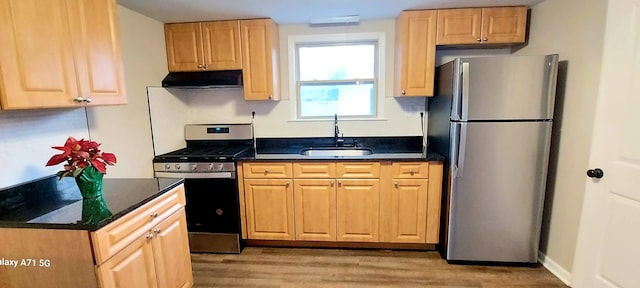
(212, 205)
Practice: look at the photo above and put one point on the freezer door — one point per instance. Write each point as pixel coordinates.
(498, 175)
(506, 88)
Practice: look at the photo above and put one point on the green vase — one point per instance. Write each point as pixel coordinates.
(94, 210)
(90, 182)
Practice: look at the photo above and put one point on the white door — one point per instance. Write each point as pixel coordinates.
(608, 247)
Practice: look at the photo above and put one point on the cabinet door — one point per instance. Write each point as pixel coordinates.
(184, 47)
(504, 24)
(221, 45)
(171, 252)
(315, 209)
(132, 267)
(269, 209)
(36, 56)
(358, 210)
(260, 59)
(96, 40)
(408, 211)
(415, 53)
(459, 26)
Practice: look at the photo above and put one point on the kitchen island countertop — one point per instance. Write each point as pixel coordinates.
(57, 204)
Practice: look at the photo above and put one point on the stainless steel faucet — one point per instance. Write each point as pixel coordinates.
(337, 139)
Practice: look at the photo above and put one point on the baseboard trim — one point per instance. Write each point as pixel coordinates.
(555, 269)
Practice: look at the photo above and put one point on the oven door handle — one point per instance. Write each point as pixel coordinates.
(218, 175)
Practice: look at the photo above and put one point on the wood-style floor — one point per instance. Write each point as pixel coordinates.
(298, 267)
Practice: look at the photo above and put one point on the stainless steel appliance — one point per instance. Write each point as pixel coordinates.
(211, 188)
(492, 117)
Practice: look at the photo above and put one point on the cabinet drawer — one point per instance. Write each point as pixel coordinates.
(117, 235)
(358, 170)
(314, 170)
(410, 170)
(267, 170)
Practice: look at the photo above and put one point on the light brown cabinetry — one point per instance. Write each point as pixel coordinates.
(343, 201)
(415, 53)
(148, 247)
(493, 25)
(61, 54)
(159, 258)
(336, 201)
(410, 205)
(203, 46)
(268, 201)
(261, 71)
(250, 45)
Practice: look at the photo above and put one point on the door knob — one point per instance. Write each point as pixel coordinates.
(595, 173)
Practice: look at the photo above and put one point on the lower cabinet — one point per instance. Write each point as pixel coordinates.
(158, 258)
(315, 209)
(358, 215)
(351, 201)
(269, 209)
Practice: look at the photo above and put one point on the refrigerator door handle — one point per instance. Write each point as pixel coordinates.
(456, 149)
(462, 138)
(464, 106)
(456, 108)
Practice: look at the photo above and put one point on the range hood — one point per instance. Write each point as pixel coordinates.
(204, 79)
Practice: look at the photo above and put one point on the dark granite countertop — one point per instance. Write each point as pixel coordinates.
(406, 148)
(57, 204)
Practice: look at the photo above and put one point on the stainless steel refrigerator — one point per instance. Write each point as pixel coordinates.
(492, 117)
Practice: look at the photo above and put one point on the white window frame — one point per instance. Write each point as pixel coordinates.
(377, 37)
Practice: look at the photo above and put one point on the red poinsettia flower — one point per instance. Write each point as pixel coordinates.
(79, 155)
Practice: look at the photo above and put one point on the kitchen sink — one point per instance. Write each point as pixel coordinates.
(336, 151)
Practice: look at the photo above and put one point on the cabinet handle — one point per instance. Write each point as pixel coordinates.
(395, 184)
(332, 183)
(154, 215)
(478, 40)
(157, 230)
(87, 100)
(411, 171)
(287, 183)
(270, 97)
(266, 171)
(339, 183)
(199, 65)
(206, 66)
(403, 92)
(78, 99)
(485, 39)
(149, 236)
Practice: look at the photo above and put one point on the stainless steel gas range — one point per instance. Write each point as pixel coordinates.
(208, 164)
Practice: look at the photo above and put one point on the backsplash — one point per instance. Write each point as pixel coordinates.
(171, 109)
(26, 137)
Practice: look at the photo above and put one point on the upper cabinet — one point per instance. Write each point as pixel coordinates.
(496, 25)
(250, 45)
(261, 71)
(415, 53)
(203, 46)
(61, 54)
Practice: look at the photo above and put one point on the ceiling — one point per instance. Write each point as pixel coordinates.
(294, 11)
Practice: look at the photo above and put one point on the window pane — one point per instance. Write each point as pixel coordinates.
(343, 99)
(354, 61)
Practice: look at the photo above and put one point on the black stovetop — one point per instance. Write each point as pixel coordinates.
(200, 151)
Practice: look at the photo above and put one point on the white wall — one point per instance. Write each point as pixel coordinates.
(125, 129)
(401, 116)
(574, 29)
(26, 137)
